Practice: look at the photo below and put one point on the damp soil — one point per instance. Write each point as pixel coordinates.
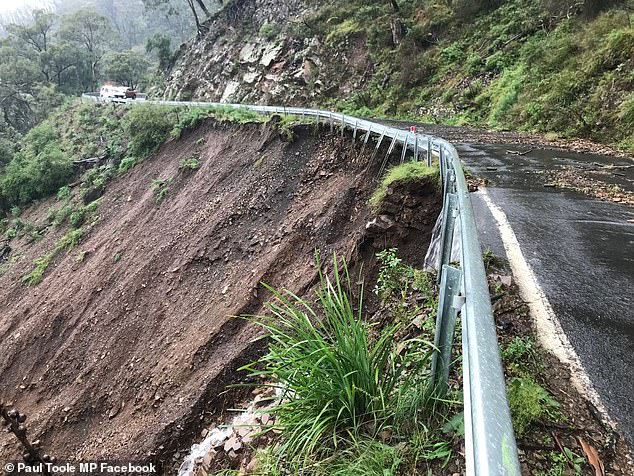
(127, 353)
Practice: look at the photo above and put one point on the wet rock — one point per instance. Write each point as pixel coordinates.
(232, 444)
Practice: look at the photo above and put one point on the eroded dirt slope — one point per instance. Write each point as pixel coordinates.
(118, 355)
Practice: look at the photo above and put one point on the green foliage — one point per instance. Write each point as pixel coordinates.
(77, 218)
(530, 403)
(368, 458)
(391, 273)
(66, 242)
(193, 117)
(147, 127)
(63, 193)
(404, 173)
(340, 381)
(162, 45)
(38, 170)
(269, 30)
(126, 164)
(562, 463)
(126, 67)
(160, 189)
(189, 164)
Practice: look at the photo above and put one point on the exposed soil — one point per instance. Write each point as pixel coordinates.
(126, 353)
(405, 219)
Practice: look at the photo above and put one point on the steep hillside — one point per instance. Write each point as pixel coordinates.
(563, 68)
(128, 340)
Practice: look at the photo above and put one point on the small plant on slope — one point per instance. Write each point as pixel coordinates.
(159, 187)
(189, 164)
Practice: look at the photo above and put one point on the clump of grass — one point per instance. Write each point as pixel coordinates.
(529, 404)
(189, 164)
(160, 189)
(126, 164)
(66, 242)
(193, 117)
(63, 193)
(269, 30)
(368, 458)
(405, 173)
(340, 381)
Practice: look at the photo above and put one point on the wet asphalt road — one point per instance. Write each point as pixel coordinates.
(582, 253)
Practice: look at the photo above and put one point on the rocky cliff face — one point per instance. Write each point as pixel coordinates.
(263, 51)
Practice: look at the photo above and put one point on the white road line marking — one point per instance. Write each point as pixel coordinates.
(547, 327)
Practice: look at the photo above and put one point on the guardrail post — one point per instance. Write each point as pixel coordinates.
(404, 148)
(389, 151)
(449, 303)
(415, 147)
(354, 133)
(378, 144)
(365, 141)
(429, 152)
(449, 215)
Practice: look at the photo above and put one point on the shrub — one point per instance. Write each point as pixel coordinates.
(159, 187)
(77, 218)
(126, 164)
(147, 127)
(31, 176)
(63, 193)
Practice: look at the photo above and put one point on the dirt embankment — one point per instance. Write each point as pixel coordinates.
(123, 354)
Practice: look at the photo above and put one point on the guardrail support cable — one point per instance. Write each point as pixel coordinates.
(449, 303)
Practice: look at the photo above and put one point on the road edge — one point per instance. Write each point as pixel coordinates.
(547, 327)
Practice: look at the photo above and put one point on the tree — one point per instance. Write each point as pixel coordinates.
(93, 33)
(19, 77)
(36, 36)
(162, 45)
(126, 67)
(64, 58)
(168, 8)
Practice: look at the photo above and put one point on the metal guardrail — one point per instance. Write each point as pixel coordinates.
(490, 447)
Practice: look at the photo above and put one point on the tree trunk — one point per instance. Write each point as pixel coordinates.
(192, 7)
(203, 7)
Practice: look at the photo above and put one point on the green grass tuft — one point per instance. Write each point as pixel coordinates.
(341, 381)
(66, 242)
(529, 404)
(404, 173)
